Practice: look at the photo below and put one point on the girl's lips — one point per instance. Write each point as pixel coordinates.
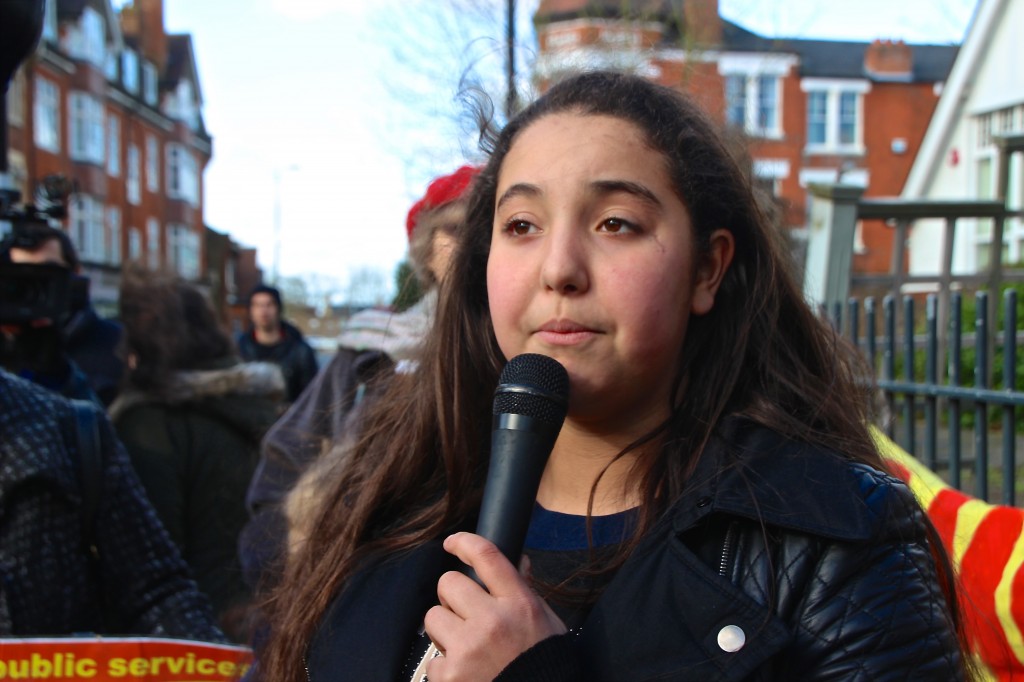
(565, 332)
(563, 327)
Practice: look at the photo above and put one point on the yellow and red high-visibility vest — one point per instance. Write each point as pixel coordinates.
(986, 545)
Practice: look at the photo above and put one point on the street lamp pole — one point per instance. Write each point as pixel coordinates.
(277, 227)
(276, 271)
(511, 100)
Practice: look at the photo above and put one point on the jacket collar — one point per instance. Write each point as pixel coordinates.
(746, 471)
(750, 471)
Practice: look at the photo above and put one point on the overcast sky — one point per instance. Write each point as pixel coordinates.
(348, 104)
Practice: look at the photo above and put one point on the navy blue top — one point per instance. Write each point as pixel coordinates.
(565, 569)
(553, 531)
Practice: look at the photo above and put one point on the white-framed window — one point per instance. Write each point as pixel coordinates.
(1006, 121)
(183, 105)
(113, 145)
(113, 245)
(153, 243)
(835, 118)
(110, 65)
(562, 39)
(46, 115)
(182, 174)
(753, 90)
(149, 83)
(984, 128)
(16, 100)
(152, 164)
(133, 172)
(85, 114)
(769, 174)
(134, 243)
(183, 249)
(231, 279)
(984, 181)
(87, 40)
(620, 36)
(736, 100)
(130, 70)
(752, 103)
(85, 222)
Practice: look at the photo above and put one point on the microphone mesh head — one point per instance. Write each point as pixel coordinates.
(535, 386)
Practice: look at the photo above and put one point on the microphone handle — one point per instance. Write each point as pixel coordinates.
(520, 447)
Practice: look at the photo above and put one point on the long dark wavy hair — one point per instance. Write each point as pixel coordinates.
(417, 470)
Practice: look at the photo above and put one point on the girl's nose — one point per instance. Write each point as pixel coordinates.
(565, 268)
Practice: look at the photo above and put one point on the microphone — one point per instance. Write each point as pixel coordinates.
(530, 404)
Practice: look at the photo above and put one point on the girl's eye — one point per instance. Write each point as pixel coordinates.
(616, 225)
(518, 228)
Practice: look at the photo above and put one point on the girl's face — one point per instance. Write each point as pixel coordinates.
(593, 262)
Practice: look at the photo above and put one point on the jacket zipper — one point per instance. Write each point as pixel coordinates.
(727, 548)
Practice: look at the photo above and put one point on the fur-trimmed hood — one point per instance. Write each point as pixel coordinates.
(247, 394)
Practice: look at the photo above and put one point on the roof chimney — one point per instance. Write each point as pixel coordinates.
(888, 60)
(551, 7)
(703, 25)
(143, 20)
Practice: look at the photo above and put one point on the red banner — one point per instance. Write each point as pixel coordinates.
(139, 659)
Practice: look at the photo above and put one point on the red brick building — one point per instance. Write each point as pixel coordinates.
(812, 111)
(112, 102)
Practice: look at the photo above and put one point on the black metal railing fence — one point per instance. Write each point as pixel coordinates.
(929, 412)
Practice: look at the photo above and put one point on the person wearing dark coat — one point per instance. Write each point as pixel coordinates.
(51, 581)
(271, 339)
(191, 416)
(92, 343)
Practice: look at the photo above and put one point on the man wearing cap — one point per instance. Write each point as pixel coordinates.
(271, 339)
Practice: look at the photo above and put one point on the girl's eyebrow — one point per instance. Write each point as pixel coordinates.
(518, 190)
(603, 187)
(598, 187)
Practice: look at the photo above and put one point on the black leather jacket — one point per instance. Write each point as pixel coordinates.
(781, 562)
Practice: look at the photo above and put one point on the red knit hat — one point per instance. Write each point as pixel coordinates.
(441, 191)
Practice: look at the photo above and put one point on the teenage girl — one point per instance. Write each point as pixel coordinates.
(713, 508)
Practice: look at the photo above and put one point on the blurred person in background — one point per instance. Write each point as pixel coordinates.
(77, 354)
(373, 345)
(191, 415)
(82, 549)
(270, 338)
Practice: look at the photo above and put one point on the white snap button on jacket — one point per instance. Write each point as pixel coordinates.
(731, 638)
